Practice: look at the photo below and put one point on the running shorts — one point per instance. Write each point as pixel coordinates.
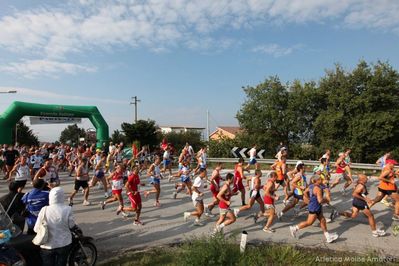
(135, 200)
(214, 190)
(359, 204)
(117, 191)
(252, 161)
(254, 194)
(238, 185)
(386, 192)
(99, 174)
(224, 211)
(299, 197)
(185, 178)
(80, 184)
(155, 180)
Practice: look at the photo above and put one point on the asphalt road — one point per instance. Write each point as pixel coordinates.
(165, 225)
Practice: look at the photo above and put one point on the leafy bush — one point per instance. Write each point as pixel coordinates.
(210, 251)
(221, 148)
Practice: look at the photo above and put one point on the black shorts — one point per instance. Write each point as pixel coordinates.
(20, 183)
(281, 182)
(80, 183)
(386, 192)
(359, 204)
(256, 196)
(316, 212)
(300, 197)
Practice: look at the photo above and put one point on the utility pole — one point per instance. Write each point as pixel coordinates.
(135, 101)
(207, 124)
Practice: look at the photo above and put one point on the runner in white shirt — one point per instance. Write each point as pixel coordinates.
(201, 159)
(252, 159)
(197, 197)
(167, 164)
(22, 173)
(36, 161)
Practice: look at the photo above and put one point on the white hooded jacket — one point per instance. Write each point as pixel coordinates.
(59, 220)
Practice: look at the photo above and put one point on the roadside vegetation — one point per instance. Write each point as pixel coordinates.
(222, 251)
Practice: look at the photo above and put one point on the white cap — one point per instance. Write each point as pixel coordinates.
(298, 163)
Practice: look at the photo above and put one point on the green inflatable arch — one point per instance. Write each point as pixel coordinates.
(17, 110)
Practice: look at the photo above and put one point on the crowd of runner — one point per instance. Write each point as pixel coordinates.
(110, 170)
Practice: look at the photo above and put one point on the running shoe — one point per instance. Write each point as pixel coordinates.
(86, 203)
(331, 237)
(385, 202)
(186, 215)
(333, 214)
(236, 211)
(137, 223)
(119, 210)
(343, 191)
(102, 205)
(268, 230)
(70, 202)
(174, 195)
(209, 214)
(285, 202)
(293, 231)
(169, 178)
(395, 217)
(126, 215)
(198, 223)
(378, 233)
(279, 215)
(216, 231)
(256, 217)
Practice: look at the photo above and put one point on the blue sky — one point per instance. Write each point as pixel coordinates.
(180, 57)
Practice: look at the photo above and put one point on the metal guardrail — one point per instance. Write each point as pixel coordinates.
(293, 162)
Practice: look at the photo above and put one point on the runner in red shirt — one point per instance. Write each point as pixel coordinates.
(268, 199)
(117, 185)
(341, 165)
(214, 187)
(132, 189)
(238, 177)
(226, 214)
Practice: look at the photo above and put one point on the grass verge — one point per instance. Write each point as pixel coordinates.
(221, 251)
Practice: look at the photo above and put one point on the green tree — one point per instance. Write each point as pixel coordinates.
(146, 132)
(25, 135)
(264, 115)
(180, 139)
(361, 110)
(118, 137)
(356, 109)
(222, 148)
(72, 133)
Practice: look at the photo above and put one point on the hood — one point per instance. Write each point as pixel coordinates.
(56, 196)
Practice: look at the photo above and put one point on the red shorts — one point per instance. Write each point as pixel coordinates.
(117, 192)
(238, 186)
(134, 199)
(214, 191)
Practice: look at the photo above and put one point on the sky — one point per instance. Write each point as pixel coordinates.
(180, 58)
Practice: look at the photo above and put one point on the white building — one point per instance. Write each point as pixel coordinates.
(181, 129)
